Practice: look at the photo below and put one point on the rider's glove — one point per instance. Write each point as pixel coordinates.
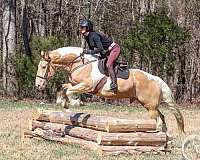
(86, 51)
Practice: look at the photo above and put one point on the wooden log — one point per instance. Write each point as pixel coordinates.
(130, 125)
(103, 123)
(116, 150)
(74, 131)
(104, 138)
(77, 119)
(132, 139)
(42, 115)
(49, 135)
(102, 150)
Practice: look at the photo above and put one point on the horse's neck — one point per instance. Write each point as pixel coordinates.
(85, 70)
(72, 66)
(77, 64)
(86, 59)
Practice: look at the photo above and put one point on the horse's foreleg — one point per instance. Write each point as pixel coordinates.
(65, 100)
(61, 98)
(79, 88)
(62, 101)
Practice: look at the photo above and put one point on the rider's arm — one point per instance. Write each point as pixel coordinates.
(99, 47)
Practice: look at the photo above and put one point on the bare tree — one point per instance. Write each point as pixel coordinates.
(60, 18)
(9, 47)
(25, 28)
(1, 39)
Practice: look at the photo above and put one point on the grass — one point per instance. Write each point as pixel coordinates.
(14, 117)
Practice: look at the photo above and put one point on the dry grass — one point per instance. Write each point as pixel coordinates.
(14, 117)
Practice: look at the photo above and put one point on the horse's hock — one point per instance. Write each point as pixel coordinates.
(107, 135)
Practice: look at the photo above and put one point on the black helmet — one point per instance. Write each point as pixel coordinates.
(86, 23)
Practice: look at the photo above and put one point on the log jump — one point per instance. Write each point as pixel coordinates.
(106, 135)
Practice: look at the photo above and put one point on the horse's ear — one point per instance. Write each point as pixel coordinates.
(45, 55)
(42, 54)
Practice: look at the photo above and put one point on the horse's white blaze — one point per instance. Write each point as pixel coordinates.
(166, 91)
(66, 50)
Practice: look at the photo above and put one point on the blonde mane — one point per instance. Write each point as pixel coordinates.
(67, 50)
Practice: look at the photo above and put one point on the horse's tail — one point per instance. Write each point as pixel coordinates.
(170, 100)
(179, 117)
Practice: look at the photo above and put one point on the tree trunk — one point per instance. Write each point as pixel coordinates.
(25, 26)
(42, 18)
(1, 42)
(9, 48)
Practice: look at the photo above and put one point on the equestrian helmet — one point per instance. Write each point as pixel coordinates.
(86, 23)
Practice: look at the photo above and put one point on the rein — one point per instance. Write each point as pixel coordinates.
(41, 77)
(82, 58)
(86, 63)
(70, 64)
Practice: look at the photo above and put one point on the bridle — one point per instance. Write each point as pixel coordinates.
(70, 64)
(49, 64)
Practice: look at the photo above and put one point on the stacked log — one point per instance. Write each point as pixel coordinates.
(102, 123)
(107, 135)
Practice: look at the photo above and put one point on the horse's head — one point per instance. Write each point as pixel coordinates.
(45, 71)
(67, 57)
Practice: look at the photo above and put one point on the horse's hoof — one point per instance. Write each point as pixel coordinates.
(67, 110)
(76, 102)
(59, 100)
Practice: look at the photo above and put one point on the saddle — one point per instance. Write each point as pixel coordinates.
(120, 68)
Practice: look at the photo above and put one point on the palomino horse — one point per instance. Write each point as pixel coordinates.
(85, 76)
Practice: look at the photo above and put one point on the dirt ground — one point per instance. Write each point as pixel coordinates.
(14, 118)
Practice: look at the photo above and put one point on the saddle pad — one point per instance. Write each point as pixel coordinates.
(119, 71)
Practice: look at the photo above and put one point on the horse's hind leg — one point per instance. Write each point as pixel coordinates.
(160, 119)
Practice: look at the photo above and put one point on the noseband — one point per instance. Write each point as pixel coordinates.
(46, 74)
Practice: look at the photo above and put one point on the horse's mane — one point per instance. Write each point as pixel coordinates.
(75, 50)
(65, 50)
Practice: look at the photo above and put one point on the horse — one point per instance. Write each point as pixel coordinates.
(85, 77)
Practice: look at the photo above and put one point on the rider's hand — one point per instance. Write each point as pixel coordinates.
(84, 52)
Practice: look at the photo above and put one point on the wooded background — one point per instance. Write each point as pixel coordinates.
(161, 37)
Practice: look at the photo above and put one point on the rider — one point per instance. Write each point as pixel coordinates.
(100, 43)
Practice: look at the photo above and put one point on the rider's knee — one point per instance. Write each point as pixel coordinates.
(108, 65)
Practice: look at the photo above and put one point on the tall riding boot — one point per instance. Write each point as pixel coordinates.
(113, 85)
